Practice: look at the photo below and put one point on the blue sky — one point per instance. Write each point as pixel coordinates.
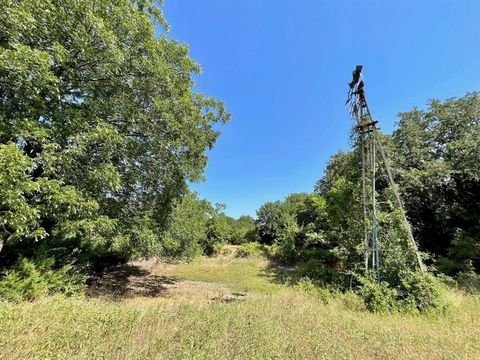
(281, 67)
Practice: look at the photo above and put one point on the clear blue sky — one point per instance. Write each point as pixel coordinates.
(281, 67)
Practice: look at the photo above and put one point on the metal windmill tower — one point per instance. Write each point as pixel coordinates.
(369, 145)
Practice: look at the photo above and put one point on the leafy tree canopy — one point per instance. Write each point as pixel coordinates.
(100, 129)
(437, 154)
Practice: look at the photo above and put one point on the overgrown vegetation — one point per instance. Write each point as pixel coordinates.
(255, 249)
(105, 250)
(101, 132)
(416, 293)
(29, 280)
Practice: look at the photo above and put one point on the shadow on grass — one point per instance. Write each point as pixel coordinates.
(128, 281)
(313, 270)
(280, 273)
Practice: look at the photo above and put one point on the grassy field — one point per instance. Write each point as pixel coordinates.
(226, 308)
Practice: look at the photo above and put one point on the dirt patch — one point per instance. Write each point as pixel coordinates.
(144, 279)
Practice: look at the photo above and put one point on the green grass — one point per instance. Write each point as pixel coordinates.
(250, 275)
(272, 321)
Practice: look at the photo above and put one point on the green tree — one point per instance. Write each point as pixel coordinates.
(19, 219)
(243, 230)
(295, 224)
(99, 116)
(188, 226)
(272, 218)
(340, 165)
(219, 230)
(437, 154)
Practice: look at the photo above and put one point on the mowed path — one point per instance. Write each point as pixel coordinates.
(225, 308)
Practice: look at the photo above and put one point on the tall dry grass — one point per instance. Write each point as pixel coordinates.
(227, 308)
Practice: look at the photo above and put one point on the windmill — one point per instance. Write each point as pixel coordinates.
(370, 144)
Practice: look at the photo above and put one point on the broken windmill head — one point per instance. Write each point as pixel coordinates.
(356, 101)
(356, 74)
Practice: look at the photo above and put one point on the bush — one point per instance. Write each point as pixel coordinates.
(416, 293)
(422, 292)
(217, 248)
(313, 268)
(352, 301)
(377, 297)
(252, 249)
(307, 285)
(271, 251)
(288, 252)
(324, 295)
(30, 280)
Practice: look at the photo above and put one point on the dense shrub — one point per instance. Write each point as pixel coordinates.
(288, 251)
(377, 297)
(313, 269)
(422, 292)
(241, 230)
(226, 251)
(217, 248)
(416, 293)
(30, 279)
(252, 249)
(255, 249)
